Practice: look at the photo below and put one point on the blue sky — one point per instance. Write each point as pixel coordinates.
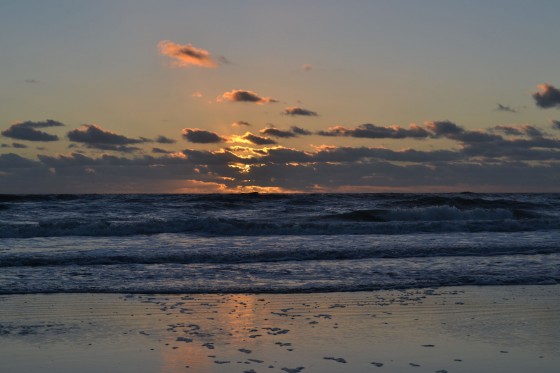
(369, 70)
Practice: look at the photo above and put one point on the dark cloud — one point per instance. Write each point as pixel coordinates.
(555, 124)
(258, 140)
(28, 131)
(97, 137)
(275, 132)
(160, 151)
(301, 131)
(547, 97)
(239, 95)
(31, 81)
(199, 136)
(164, 140)
(295, 110)
(372, 131)
(186, 55)
(519, 130)
(17, 145)
(452, 131)
(292, 132)
(13, 161)
(505, 108)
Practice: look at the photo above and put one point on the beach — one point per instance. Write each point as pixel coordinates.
(448, 329)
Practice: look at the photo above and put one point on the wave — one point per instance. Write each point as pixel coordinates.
(376, 222)
(433, 213)
(223, 252)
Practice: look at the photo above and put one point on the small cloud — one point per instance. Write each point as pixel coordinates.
(17, 145)
(292, 132)
(239, 95)
(555, 124)
(28, 130)
(186, 55)
(198, 136)
(275, 132)
(197, 94)
(31, 81)
(295, 110)
(164, 140)
(547, 97)
(240, 123)
(306, 67)
(300, 131)
(224, 61)
(258, 140)
(160, 151)
(505, 108)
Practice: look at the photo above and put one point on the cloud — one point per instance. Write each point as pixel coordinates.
(258, 140)
(198, 136)
(28, 130)
(306, 67)
(239, 95)
(275, 132)
(17, 145)
(295, 110)
(555, 124)
(186, 55)
(292, 132)
(97, 137)
(452, 131)
(518, 130)
(164, 140)
(240, 123)
(197, 94)
(547, 97)
(505, 108)
(300, 131)
(160, 151)
(372, 131)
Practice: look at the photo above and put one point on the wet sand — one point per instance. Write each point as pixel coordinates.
(464, 329)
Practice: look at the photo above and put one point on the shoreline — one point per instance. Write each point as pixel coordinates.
(452, 329)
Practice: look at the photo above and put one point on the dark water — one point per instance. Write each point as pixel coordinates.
(275, 243)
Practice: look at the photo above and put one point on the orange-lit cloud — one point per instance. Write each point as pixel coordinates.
(186, 55)
(240, 95)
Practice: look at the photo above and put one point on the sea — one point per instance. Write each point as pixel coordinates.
(275, 243)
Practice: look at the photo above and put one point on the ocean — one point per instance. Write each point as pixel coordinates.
(275, 243)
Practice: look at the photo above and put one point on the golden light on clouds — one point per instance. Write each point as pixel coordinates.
(186, 55)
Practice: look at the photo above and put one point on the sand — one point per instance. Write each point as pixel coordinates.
(464, 329)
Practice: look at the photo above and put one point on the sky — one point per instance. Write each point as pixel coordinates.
(135, 96)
